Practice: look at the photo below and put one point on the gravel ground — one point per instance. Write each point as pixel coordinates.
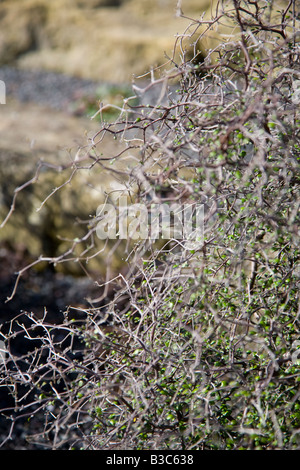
(50, 89)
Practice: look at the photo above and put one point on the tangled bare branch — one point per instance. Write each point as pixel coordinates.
(197, 347)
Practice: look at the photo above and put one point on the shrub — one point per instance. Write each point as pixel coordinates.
(203, 352)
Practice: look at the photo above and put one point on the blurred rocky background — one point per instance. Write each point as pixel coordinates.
(57, 59)
(108, 40)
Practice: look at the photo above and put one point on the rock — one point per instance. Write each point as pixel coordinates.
(97, 39)
(21, 32)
